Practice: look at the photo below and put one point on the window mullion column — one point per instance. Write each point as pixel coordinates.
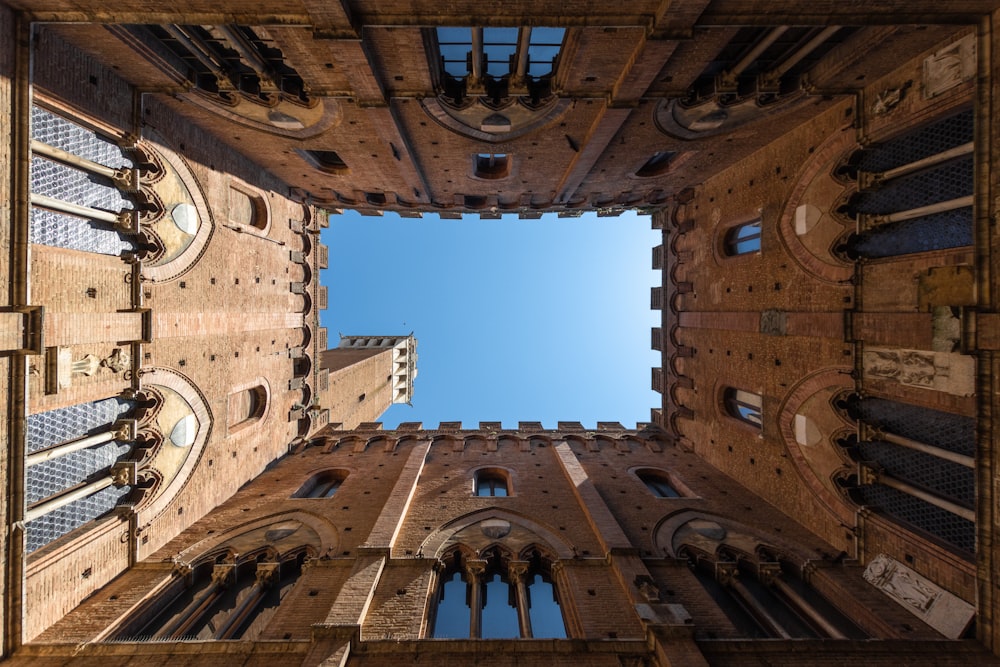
(872, 476)
(771, 575)
(516, 572)
(961, 459)
(123, 430)
(121, 474)
(728, 576)
(266, 576)
(474, 570)
(476, 73)
(194, 611)
(521, 67)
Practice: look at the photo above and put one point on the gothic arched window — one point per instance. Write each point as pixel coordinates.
(223, 600)
(496, 597)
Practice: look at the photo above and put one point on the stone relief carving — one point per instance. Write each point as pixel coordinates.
(947, 372)
(952, 65)
(889, 99)
(901, 583)
(946, 613)
(773, 322)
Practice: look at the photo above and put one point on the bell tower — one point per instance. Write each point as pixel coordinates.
(367, 374)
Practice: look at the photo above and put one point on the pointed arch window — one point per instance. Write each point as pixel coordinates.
(224, 600)
(742, 239)
(496, 597)
(743, 405)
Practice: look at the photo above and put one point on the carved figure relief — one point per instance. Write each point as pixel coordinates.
(948, 372)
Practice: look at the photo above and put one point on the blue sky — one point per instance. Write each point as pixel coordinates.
(516, 320)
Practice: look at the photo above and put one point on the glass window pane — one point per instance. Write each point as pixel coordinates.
(499, 36)
(543, 610)
(452, 620)
(459, 35)
(499, 614)
(747, 397)
(543, 53)
(457, 52)
(547, 35)
(746, 247)
(749, 414)
(746, 231)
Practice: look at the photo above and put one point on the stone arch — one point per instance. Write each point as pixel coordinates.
(820, 483)
(485, 527)
(183, 201)
(708, 532)
(181, 467)
(808, 208)
(285, 532)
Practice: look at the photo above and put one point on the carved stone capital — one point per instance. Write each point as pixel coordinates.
(726, 573)
(267, 573)
(223, 574)
(475, 569)
(768, 572)
(517, 569)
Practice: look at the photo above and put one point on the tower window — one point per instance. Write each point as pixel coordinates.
(327, 161)
(497, 597)
(491, 483)
(656, 165)
(742, 239)
(492, 165)
(246, 407)
(321, 485)
(497, 57)
(743, 405)
(658, 484)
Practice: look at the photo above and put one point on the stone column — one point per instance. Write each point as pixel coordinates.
(517, 570)
(474, 570)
